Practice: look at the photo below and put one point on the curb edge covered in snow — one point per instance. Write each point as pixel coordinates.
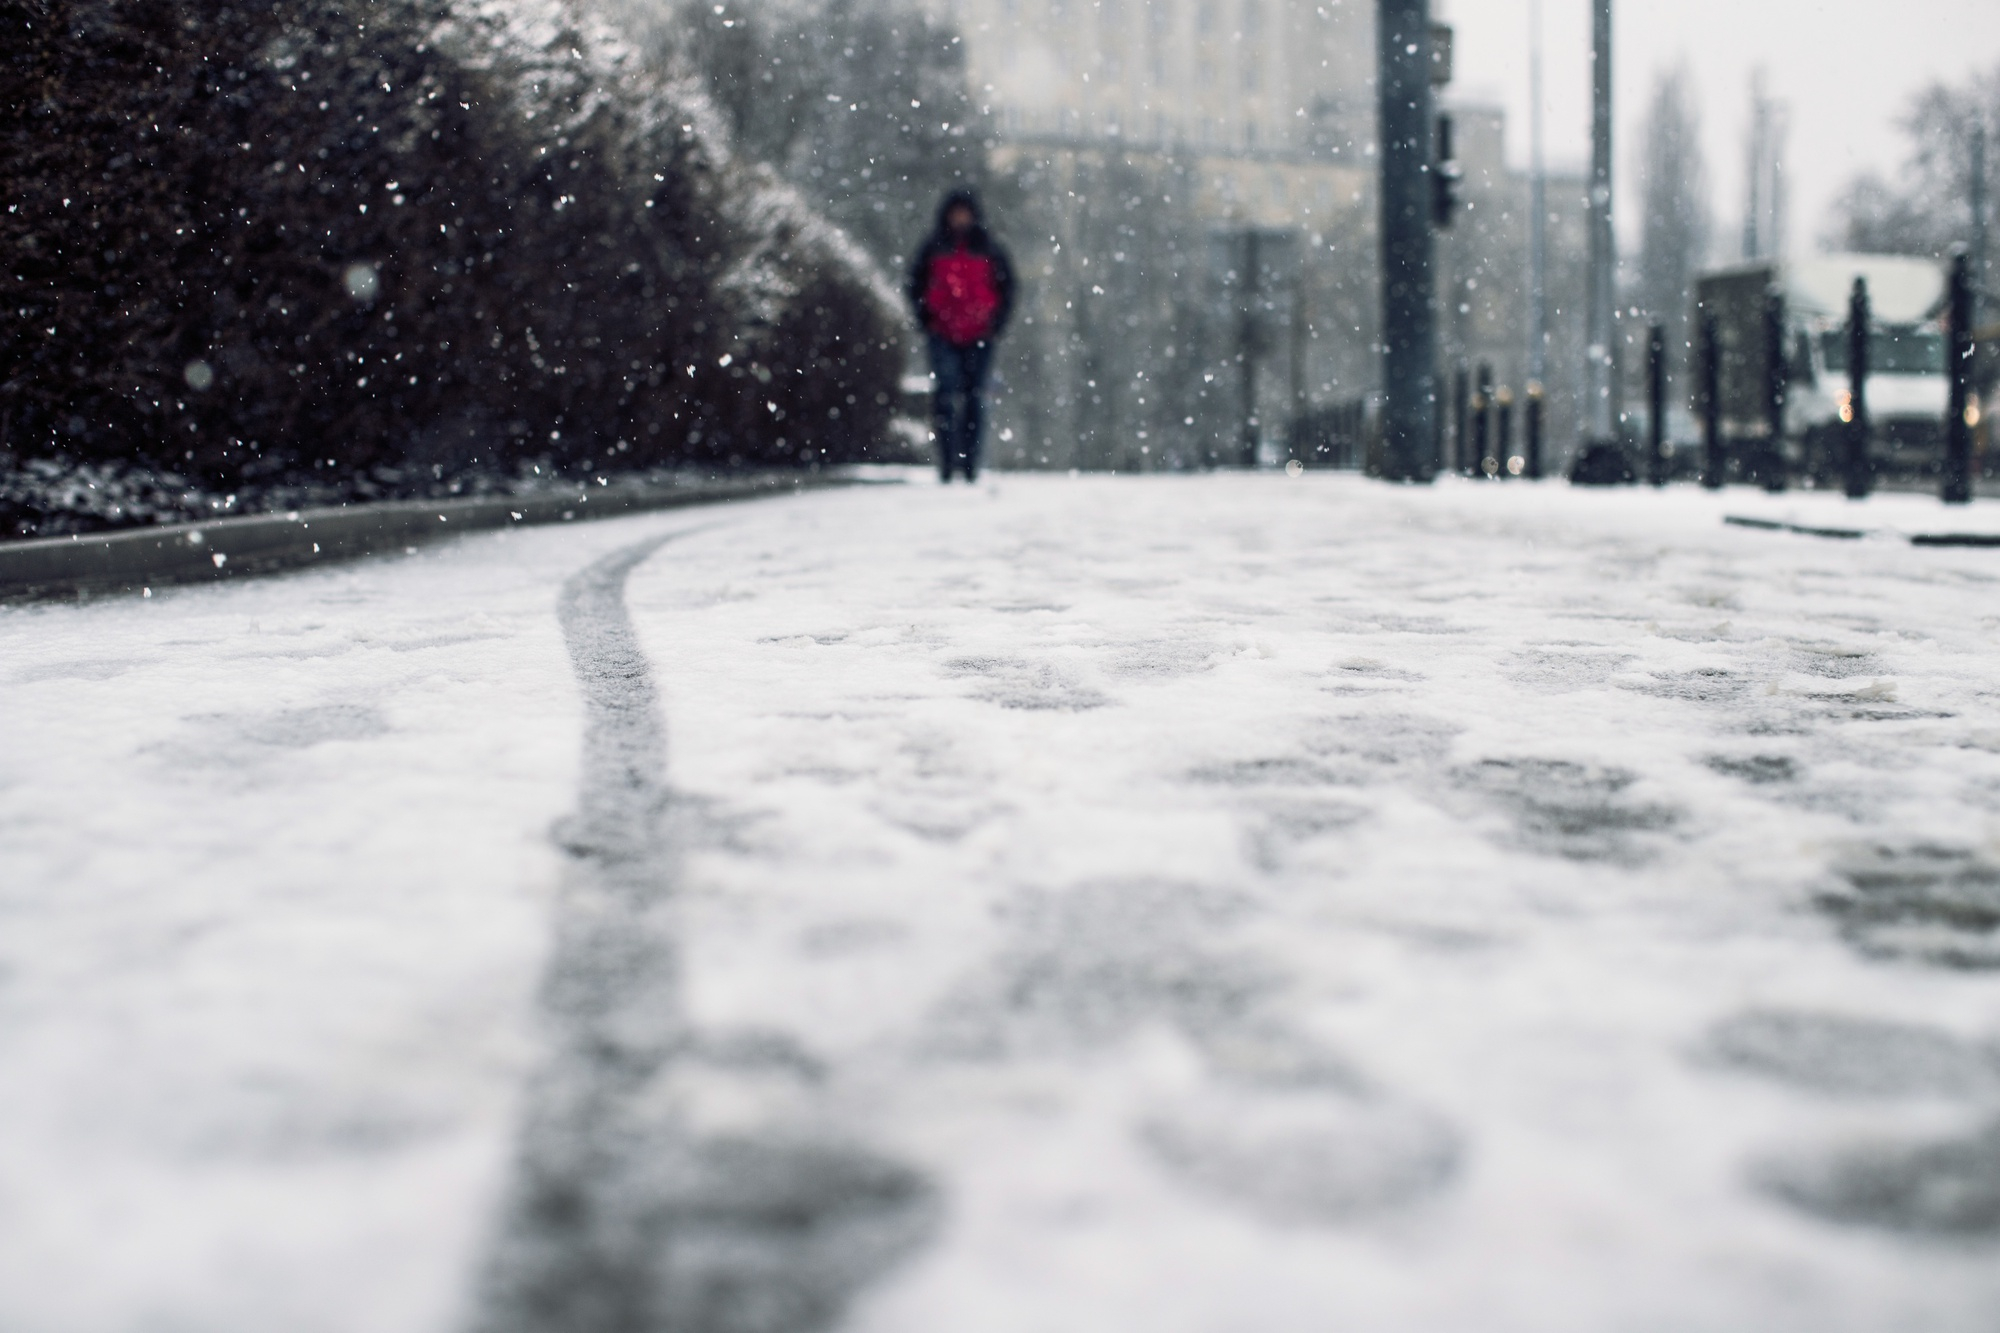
(144, 558)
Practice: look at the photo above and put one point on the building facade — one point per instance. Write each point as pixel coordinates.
(1286, 77)
(1190, 189)
(1483, 289)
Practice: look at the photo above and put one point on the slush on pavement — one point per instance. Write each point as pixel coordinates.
(1184, 904)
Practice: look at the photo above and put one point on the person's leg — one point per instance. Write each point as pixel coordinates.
(978, 361)
(964, 425)
(968, 436)
(946, 376)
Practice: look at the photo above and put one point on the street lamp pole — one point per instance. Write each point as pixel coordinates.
(1603, 256)
(1978, 193)
(1409, 318)
(1538, 204)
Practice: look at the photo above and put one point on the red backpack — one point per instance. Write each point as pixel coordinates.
(962, 297)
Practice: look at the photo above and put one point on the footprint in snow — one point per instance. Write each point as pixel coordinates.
(1844, 1056)
(1583, 812)
(1281, 1126)
(1918, 902)
(1947, 1187)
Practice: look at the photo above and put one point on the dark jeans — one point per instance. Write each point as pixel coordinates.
(956, 411)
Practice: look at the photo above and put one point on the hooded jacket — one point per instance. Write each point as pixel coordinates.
(943, 245)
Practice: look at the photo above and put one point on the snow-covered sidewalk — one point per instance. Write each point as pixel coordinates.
(1172, 904)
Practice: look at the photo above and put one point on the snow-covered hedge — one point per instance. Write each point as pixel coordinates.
(322, 239)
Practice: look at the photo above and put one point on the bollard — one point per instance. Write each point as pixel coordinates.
(1656, 405)
(1503, 451)
(1461, 400)
(1857, 472)
(1482, 402)
(1713, 464)
(1773, 465)
(1957, 487)
(1249, 342)
(1532, 448)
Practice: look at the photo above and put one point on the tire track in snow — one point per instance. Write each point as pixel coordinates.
(645, 1196)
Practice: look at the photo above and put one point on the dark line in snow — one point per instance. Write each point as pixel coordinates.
(1916, 538)
(624, 1215)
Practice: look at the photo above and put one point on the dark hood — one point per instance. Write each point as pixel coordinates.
(960, 198)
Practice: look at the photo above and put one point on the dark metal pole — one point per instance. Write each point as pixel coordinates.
(1957, 488)
(1713, 463)
(1656, 405)
(1858, 475)
(1461, 401)
(1538, 210)
(1300, 325)
(1978, 193)
(1482, 421)
(1773, 467)
(1532, 452)
(1603, 255)
(1247, 347)
(1981, 381)
(1503, 449)
(1409, 327)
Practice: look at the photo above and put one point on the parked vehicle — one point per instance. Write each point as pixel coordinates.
(1781, 331)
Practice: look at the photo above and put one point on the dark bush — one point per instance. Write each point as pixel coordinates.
(330, 239)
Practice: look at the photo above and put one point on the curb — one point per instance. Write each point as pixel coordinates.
(1773, 525)
(1956, 539)
(142, 559)
(1855, 534)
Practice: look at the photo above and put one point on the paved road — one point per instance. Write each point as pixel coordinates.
(1189, 904)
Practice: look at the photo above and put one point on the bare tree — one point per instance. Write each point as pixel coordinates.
(1925, 209)
(863, 106)
(1675, 238)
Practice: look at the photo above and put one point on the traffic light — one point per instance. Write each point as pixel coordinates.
(1445, 176)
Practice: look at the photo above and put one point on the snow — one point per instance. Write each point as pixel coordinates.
(275, 896)
(1238, 901)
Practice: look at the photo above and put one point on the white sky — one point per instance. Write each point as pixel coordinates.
(1846, 67)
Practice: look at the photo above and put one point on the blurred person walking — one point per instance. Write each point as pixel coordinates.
(962, 286)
